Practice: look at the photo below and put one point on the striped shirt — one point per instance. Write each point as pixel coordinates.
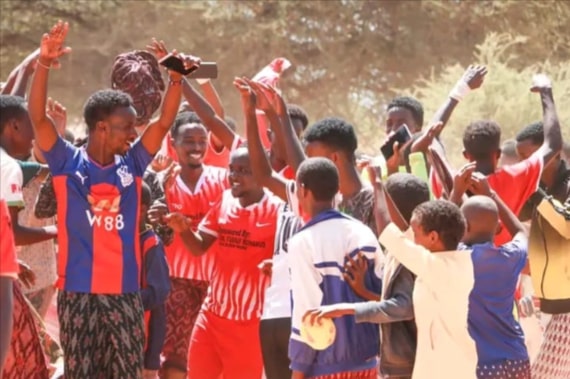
(245, 237)
(195, 205)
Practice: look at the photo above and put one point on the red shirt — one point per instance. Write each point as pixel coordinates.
(195, 205)
(8, 262)
(245, 237)
(515, 184)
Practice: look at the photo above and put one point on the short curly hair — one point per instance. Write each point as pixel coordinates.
(533, 132)
(407, 191)
(443, 217)
(184, 118)
(412, 105)
(320, 176)
(102, 104)
(482, 139)
(334, 132)
(295, 112)
(11, 107)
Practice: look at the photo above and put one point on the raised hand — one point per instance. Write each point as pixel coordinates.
(262, 95)
(58, 114)
(158, 48)
(160, 163)
(375, 174)
(479, 185)
(462, 179)
(246, 92)
(474, 76)
(170, 175)
(540, 82)
(273, 97)
(52, 44)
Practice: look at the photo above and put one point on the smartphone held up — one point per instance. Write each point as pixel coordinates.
(402, 136)
(206, 70)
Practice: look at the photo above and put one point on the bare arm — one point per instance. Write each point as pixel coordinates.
(552, 144)
(24, 235)
(471, 79)
(197, 243)
(214, 100)
(381, 212)
(154, 134)
(285, 134)
(51, 48)
(260, 166)
(207, 114)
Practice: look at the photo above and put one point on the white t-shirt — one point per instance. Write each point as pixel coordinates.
(11, 180)
(277, 295)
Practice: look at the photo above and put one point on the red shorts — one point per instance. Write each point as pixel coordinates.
(220, 346)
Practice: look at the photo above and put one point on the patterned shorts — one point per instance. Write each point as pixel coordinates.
(553, 361)
(182, 307)
(507, 369)
(25, 359)
(364, 374)
(102, 336)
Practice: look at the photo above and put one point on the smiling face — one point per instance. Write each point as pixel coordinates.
(240, 176)
(190, 143)
(119, 129)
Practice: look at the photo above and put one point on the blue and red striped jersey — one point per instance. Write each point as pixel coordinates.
(98, 219)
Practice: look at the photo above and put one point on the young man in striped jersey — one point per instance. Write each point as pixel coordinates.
(191, 192)
(238, 234)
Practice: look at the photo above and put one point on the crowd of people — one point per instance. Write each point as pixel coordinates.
(179, 248)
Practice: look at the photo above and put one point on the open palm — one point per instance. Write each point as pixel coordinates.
(51, 47)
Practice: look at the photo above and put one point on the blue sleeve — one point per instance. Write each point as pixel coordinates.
(61, 158)
(517, 249)
(157, 280)
(140, 157)
(302, 356)
(156, 337)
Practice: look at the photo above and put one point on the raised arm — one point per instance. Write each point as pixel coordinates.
(285, 134)
(260, 165)
(552, 144)
(51, 49)
(471, 79)
(154, 134)
(214, 100)
(26, 70)
(213, 121)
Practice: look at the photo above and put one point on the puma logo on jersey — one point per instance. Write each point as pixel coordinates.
(81, 177)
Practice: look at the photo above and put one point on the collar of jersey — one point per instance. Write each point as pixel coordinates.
(323, 216)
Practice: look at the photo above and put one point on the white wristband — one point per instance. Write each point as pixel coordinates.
(460, 90)
(202, 81)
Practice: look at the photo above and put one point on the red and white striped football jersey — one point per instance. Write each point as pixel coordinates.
(245, 237)
(195, 205)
